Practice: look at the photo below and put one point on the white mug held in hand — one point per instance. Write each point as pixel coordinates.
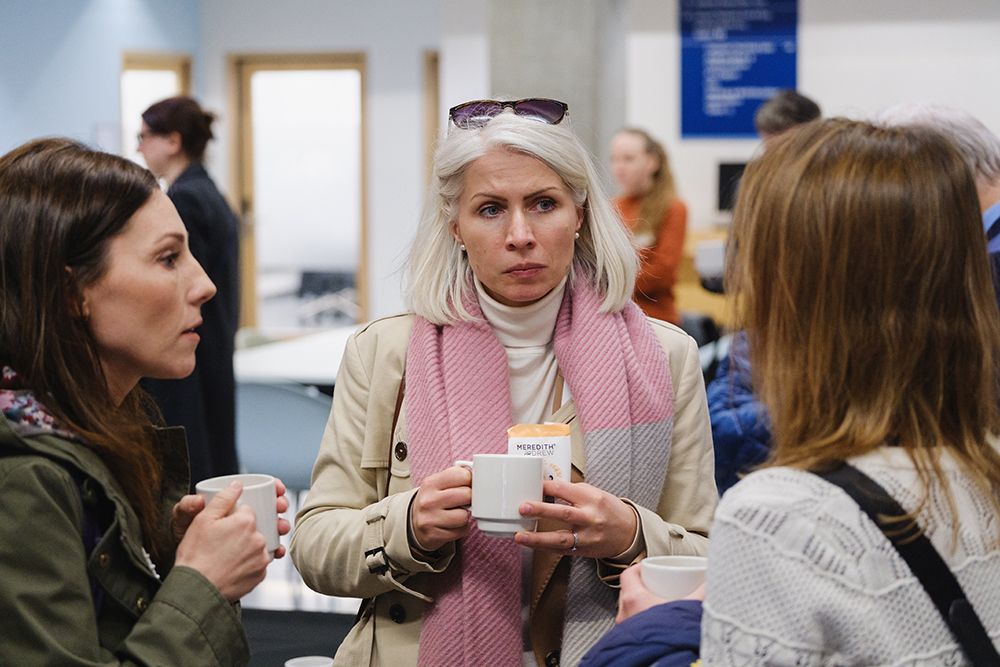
(259, 493)
(673, 577)
(500, 483)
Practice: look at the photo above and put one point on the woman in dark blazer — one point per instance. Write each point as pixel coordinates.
(172, 140)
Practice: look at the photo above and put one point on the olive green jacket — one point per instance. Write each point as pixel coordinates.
(48, 613)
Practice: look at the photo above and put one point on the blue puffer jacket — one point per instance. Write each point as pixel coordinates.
(667, 635)
(741, 428)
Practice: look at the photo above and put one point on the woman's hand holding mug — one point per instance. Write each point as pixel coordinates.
(600, 525)
(635, 598)
(439, 512)
(225, 546)
(188, 507)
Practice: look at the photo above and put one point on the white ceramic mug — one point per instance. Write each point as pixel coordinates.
(259, 493)
(310, 661)
(673, 577)
(500, 483)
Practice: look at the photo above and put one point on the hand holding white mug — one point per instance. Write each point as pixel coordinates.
(439, 511)
(600, 525)
(500, 484)
(190, 505)
(634, 597)
(225, 546)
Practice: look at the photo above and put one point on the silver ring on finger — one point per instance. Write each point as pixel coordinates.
(576, 542)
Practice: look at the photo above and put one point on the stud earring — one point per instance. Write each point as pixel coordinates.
(461, 247)
(577, 235)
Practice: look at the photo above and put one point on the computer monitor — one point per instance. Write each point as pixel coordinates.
(729, 182)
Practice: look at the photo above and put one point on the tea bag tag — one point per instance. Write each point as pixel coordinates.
(551, 441)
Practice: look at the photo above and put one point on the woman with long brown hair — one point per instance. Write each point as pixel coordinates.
(656, 216)
(861, 270)
(103, 559)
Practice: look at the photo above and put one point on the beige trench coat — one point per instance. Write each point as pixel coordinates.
(351, 534)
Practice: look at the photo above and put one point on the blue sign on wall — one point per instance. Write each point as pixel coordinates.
(735, 54)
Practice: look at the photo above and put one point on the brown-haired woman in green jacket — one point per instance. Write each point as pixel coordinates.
(103, 559)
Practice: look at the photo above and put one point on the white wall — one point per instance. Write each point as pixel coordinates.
(855, 58)
(580, 63)
(858, 56)
(393, 35)
(465, 54)
(60, 62)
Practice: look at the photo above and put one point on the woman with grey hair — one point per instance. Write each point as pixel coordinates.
(520, 280)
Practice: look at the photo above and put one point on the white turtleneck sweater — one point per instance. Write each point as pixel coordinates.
(526, 335)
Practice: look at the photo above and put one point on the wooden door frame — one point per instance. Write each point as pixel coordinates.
(432, 108)
(178, 62)
(240, 68)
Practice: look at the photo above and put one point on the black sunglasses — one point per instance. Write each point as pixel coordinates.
(477, 113)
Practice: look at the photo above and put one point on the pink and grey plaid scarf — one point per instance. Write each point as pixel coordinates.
(458, 404)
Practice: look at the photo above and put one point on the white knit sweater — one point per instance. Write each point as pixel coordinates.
(798, 575)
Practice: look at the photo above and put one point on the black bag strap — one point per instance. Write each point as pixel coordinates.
(993, 231)
(924, 561)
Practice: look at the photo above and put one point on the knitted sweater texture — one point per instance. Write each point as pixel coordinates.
(800, 576)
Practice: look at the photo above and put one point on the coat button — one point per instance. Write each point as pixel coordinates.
(400, 451)
(104, 559)
(397, 613)
(140, 603)
(552, 659)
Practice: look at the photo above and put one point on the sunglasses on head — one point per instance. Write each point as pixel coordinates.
(477, 113)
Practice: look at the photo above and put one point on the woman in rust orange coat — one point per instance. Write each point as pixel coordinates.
(658, 219)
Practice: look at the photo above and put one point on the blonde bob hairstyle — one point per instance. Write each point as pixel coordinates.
(861, 265)
(438, 273)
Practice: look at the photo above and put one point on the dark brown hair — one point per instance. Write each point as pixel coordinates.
(186, 117)
(662, 193)
(784, 111)
(861, 269)
(60, 205)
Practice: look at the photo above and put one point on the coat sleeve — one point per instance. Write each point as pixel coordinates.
(348, 540)
(45, 595)
(680, 523)
(667, 635)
